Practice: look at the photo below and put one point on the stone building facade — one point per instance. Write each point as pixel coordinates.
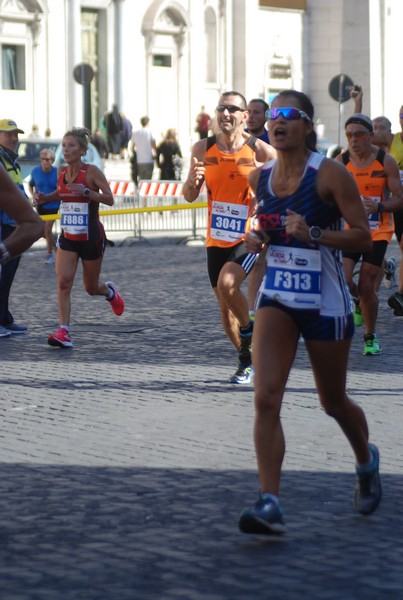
(166, 58)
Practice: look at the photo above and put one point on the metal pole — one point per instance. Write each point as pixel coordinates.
(87, 106)
(194, 223)
(341, 86)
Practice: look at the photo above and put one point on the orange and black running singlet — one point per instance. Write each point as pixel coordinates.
(371, 181)
(229, 196)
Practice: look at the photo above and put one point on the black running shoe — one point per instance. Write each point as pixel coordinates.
(395, 301)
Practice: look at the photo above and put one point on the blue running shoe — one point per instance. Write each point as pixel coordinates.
(242, 375)
(264, 517)
(13, 328)
(368, 490)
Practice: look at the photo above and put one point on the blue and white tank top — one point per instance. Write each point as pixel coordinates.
(335, 299)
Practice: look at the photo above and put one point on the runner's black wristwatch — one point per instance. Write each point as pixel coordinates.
(86, 192)
(315, 233)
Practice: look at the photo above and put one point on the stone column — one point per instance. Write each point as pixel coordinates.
(118, 52)
(74, 57)
(36, 28)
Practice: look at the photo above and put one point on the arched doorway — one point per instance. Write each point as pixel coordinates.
(165, 26)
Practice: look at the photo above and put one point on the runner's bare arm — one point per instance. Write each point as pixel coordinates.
(29, 224)
(97, 181)
(336, 185)
(195, 178)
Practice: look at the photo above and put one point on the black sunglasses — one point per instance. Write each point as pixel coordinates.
(231, 108)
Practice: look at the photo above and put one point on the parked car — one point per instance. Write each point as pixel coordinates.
(28, 155)
(28, 152)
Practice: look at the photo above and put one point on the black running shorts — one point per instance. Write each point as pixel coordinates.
(217, 257)
(375, 257)
(86, 250)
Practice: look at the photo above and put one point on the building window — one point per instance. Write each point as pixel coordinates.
(278, 76)
(162, 60)
(13, 67)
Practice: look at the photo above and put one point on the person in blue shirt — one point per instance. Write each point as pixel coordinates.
(256, 122)
(44, 179)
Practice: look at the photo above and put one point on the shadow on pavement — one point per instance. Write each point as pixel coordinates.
(116, 533)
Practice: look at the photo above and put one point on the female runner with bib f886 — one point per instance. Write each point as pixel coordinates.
(81, 188)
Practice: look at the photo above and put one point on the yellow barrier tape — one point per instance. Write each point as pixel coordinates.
(129, 211)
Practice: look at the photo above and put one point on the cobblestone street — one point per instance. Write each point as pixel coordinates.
(126, 460)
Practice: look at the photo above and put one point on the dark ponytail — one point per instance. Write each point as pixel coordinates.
(311, 140)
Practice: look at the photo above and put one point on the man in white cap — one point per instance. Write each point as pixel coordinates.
(8, 160)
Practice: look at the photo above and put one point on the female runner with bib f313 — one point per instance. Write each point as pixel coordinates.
(303, 198)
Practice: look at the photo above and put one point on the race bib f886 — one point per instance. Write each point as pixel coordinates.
(74, 218)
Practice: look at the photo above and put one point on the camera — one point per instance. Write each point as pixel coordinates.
(356, 90)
